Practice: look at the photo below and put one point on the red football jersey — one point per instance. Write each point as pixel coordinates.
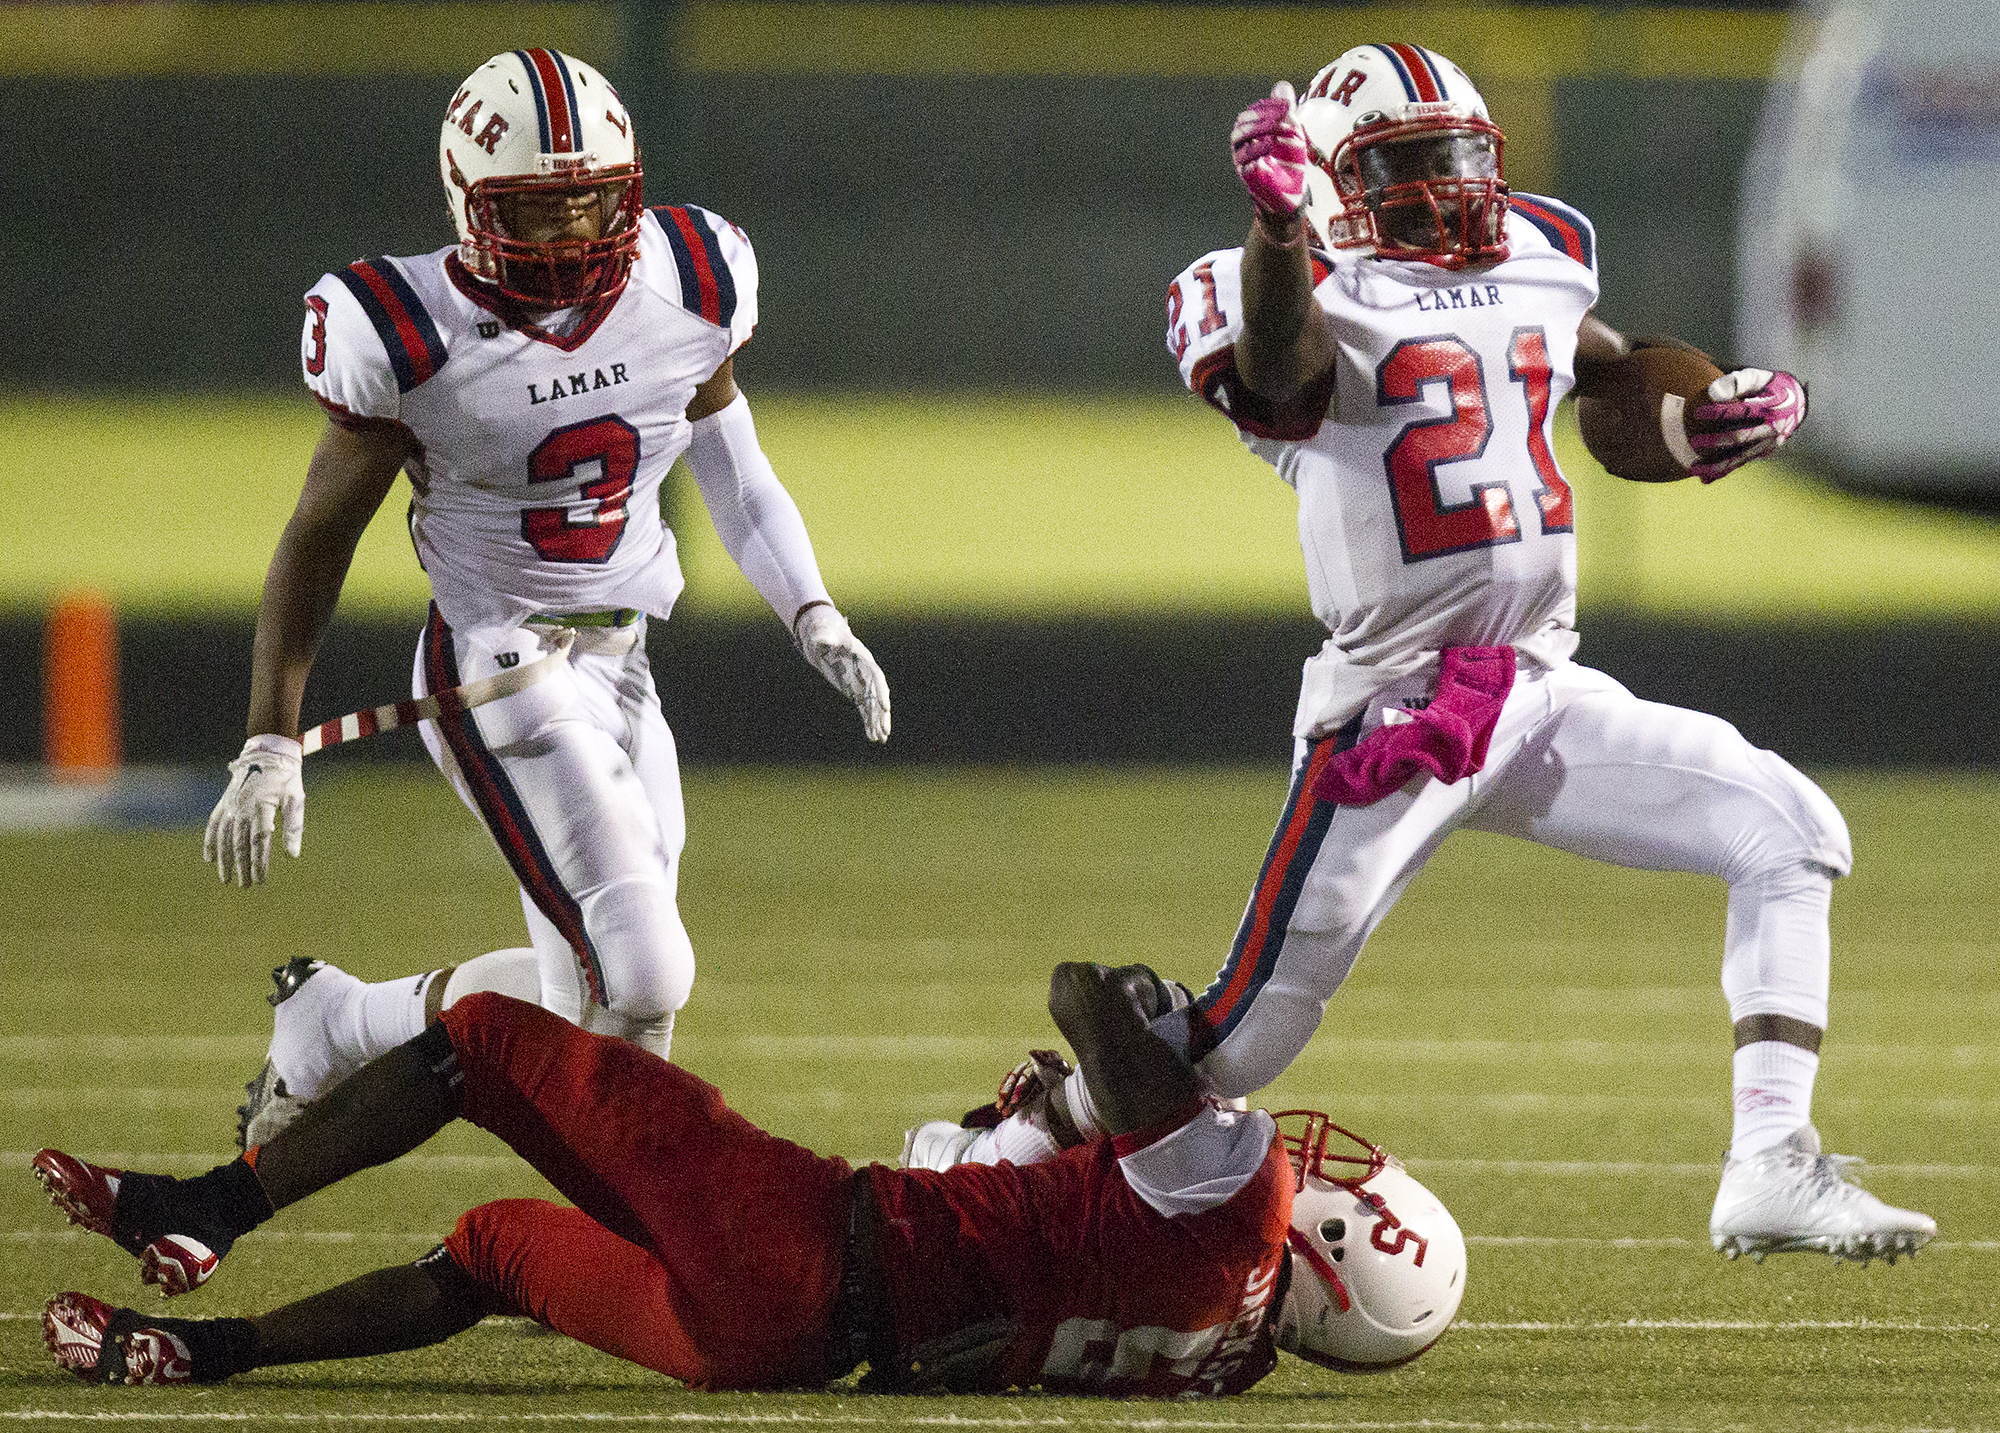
(1098, 1291)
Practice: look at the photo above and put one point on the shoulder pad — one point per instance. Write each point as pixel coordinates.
(714, 264)
(1205, 309)
(415, 348)
(1567, 231)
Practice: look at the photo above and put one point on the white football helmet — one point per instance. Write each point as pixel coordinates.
(1404, 158)
(535, 139)
(1377, 1263)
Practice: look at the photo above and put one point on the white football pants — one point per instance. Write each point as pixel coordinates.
(577, 780)
(1578, 763)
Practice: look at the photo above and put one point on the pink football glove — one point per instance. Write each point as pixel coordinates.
(1748, 414)
(1271, 153)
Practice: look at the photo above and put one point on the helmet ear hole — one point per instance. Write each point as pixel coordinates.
(1333, 1230)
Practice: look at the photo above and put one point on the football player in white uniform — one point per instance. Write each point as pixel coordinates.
(1393, 338)
(536, 380)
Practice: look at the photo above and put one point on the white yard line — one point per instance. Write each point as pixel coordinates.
(423, 1236)
(171, 1160)
(1591, 1169)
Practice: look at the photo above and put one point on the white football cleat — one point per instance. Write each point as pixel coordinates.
(301, 1062)
(1791, 1197)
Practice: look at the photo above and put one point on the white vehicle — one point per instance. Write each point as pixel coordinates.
(1870, 201)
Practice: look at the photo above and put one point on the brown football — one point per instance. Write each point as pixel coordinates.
(1621, 420)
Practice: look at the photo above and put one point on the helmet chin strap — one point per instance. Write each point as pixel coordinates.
(1321, 1265)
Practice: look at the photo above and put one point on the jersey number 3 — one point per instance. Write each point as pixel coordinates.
(587, 530)
(1429, 526)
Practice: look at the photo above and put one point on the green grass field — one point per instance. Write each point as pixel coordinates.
(990, 505)
(874, 951)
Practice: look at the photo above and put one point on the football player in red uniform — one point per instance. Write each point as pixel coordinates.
(1172, 1254)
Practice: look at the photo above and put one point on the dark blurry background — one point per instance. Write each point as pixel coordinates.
(944, 198)
(925, 223)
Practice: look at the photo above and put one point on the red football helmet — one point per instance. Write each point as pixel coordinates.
(541, 173)
(1405, 159)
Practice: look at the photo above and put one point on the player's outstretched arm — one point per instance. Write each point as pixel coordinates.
(1287, 343)
(1134, 1078)
(765, 536)
(350, 474)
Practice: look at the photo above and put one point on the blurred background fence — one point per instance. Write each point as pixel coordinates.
(946, 200)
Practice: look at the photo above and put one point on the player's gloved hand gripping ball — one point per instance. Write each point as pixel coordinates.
(265, 783)
(1271, 153)
(1748, 414)
(826, 641)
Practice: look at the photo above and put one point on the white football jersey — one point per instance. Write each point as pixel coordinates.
(1431, 510)
(540, 453)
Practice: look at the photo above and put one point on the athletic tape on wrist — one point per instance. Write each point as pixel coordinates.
(429, 708)
(1082, 1111)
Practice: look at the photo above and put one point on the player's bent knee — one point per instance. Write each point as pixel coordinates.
(489, 1245)
(647, 957)
(1814, 830)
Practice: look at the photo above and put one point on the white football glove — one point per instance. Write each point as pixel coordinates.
(938, 1145)
(265, 782)
(836, 653)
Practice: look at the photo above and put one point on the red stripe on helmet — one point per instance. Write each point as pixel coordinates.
(711, 292)
(1420, 72)
(565, 133)
(422, 363)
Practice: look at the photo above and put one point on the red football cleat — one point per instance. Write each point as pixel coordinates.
(177, 1263)
(100, 1344)
(87, 1195)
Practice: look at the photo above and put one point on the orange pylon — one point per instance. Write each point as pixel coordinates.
(80, 689)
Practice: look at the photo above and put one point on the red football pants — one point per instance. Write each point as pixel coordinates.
(700, 1246)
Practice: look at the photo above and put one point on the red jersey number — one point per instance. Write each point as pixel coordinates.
(1427, 525)
(1212, 317)
(1528, 365)
(316, 355)
(566, 534)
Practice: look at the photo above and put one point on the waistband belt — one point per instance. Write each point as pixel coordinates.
(616, 617)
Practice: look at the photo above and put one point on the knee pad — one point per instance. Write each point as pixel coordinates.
(485, 1245)
(1818, 832)
(647, 960)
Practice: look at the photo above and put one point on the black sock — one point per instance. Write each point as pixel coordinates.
(217, 1207)
(217, 1348)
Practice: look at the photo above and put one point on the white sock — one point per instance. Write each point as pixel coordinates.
(1772, 1084)
(506, 972)
(305, 1049)
(382, 1016)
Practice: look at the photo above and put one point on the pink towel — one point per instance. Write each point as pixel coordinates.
(1448, 738)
